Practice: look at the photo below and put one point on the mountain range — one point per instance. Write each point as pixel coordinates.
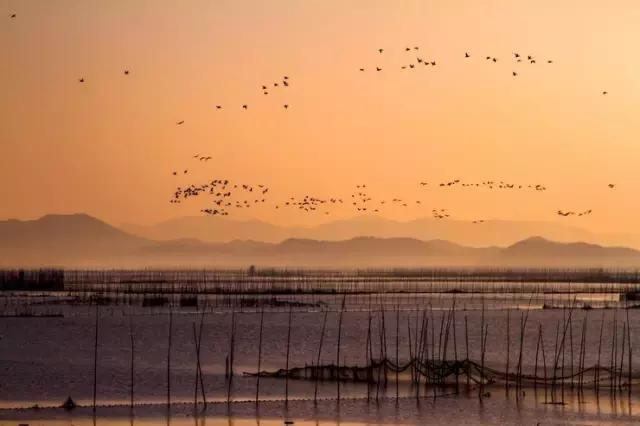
(489, 233)
(83, 241)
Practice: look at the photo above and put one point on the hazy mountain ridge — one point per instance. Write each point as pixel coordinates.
(84, 241)
(489, 233)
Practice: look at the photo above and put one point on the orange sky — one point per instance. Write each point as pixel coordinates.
(107, 147)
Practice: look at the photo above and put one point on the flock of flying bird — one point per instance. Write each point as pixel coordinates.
(360, 200)
(223, 191)
(421, 61)
(227, 195)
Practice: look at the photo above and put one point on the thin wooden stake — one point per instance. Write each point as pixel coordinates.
(169, 359)
(286, 377)
(324, 325)
(95, 358)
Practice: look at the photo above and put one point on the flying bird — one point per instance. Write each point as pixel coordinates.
(378, 69)
(380, 50)
(611, 185)
(81, 80)
(126, 72)
(13, 15)
(466, 55)
(245, 106)
(180, 122)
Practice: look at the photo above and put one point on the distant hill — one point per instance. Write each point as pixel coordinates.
(63, 240)
(489, 233)
(83, 241)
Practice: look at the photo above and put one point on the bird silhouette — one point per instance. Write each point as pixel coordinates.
(611, 185)
(180, 122)
(81, 80)
(245, 106)
(514, 73)
(126, 72)
(361, 69)
(605, 93)
(378, 69)
(218, 106)
(466, 55)
(13, 15)
(380, 50)
(286, 106)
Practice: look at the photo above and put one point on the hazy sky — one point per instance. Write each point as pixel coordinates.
(108, 147)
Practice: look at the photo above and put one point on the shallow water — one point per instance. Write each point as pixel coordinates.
(45, 360)
(464, 409)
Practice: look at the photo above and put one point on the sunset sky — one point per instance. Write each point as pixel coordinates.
(108, 147)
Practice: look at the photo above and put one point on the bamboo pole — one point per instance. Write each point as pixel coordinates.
(231, 353)
(506, 371)
(466, 338)
(397, 351)
(368, 358)
(169, 359)
(132, 360)
(535, 368)
(338, 350)
(622, 349)
(286, 377)
(197, 380)
(202, 390)
(95, 357)
(629, 366)
(597, 369)
(259, 356)
(544, 362)
(324, 324)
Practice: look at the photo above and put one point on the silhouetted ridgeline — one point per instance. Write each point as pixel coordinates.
(294, 281)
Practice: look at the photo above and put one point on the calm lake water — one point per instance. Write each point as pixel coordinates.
(44, 360)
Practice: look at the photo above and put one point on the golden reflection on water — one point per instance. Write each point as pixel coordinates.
(519, 406)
